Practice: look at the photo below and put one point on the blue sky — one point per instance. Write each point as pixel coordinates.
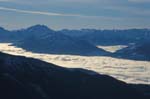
(75, 14)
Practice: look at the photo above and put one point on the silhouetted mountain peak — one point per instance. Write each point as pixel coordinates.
(39, 28)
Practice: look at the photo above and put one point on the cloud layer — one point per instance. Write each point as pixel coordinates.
(37, 12)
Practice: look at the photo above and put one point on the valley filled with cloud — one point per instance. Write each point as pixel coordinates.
(130, 71)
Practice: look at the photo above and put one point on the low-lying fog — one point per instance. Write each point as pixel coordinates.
(129, 71)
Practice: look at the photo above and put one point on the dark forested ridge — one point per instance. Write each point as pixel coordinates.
(27, 78)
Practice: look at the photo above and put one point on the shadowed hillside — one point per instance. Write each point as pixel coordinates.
(28, 78)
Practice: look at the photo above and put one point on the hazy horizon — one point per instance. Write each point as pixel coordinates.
(59, 29)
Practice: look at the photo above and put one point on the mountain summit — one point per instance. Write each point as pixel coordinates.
(39, 28)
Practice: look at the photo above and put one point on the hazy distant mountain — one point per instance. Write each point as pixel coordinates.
(110, 37)
(40, 38)
(43, 40)
(27, 78)
(33, 31)
(77, 33)
(96, 37)
(36, 31)
(117, 37)
(139, 50)
(18, 35)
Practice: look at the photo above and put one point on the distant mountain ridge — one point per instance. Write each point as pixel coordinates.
(110, 37)
(41, 39)
(139, 51)
(94, 36)
(59, 44)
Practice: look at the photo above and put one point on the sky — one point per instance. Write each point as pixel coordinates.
(75, 14)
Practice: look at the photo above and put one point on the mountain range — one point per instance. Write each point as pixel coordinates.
(41, 39)
(110, 37)
(94, 36)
